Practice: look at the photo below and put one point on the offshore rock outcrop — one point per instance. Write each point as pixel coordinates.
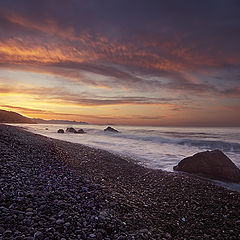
(71, 130)
(110, 129)
(80, 131)
(212, 164)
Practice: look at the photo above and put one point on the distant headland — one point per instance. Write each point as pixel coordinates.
(53, 121)
(13, 117)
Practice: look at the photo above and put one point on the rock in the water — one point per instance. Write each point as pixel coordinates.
(212, 164)
(71, 130)
(81, 131)
(60, 131)
(110, 129)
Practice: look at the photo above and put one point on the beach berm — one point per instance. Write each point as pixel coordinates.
(51, 189)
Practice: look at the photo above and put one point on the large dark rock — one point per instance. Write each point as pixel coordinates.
(71, 130)
(110, 129)
(212, 164)
(60, 131)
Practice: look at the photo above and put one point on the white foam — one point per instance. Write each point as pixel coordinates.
(154, 147)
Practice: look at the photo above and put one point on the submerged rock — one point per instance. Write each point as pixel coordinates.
(71, 130)
(110, 129)
(60, 131)
(212, 164)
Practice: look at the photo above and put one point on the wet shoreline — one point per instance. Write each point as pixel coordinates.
(51, 189)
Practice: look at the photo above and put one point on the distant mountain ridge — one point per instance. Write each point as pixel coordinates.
(53, 121)
(13, 117)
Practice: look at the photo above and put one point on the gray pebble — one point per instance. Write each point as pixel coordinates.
(60, 221)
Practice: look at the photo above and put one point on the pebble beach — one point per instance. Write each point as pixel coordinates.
(51, 189)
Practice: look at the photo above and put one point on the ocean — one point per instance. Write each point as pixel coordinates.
(152, 147)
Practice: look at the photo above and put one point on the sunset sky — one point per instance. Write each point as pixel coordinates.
(130, 62)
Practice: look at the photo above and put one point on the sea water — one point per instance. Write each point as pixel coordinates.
(152, 147)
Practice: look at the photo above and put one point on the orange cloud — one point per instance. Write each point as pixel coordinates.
(12, 51)
(63, 44)
(48, 26)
